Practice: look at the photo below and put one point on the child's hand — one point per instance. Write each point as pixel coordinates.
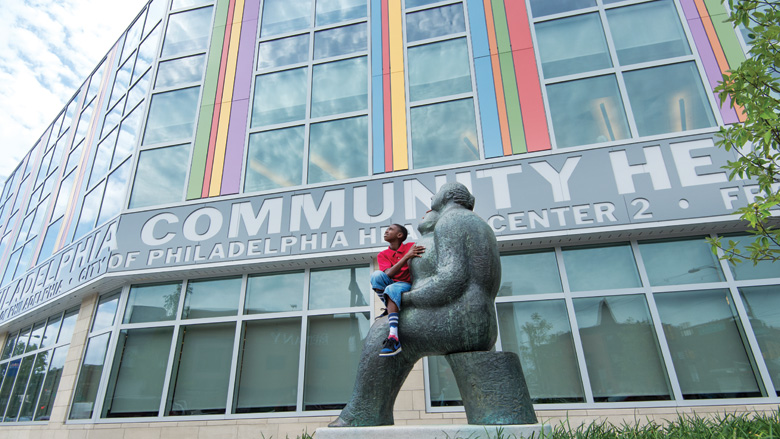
(415, 252)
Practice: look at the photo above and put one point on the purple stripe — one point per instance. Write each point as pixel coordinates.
(690, 9)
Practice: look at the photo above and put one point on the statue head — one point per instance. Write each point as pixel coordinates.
(452, 193)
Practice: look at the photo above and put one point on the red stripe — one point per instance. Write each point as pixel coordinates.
(388, 110)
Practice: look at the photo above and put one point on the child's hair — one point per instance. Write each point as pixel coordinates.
(403, 231)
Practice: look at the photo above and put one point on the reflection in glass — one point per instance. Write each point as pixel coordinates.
(102, 159)
(636, 42)
(338, 288)
(114, 199)
(763, 309)
(572, 45)
(416, 3)
(547, 7)
(340, 41)
(8, 383)
(179, 4)
(444, 388)
(21, 342)
(668, 99)
(746, 270)
(146, 53)
(15, 400)
(199, 382)
(73, 160)
(172, 116)
(335, 11)
(601, 268)
(138, 372)
(34, 386)
(338, 149)
(435, 22)
(160, 176)
(275, 159)
(529, 273)
(113, 117)
(63, 196)
(274, 293)
(587, 111)
(333, 347)
(539, 332)
(36, 337)
(89, 211)
(10, 342)
(339, 87)
(89, 377)
(187, 32)
(106, 310)
(439, 69)
(152, 303)
(138, 92)
(156, 12)
(281, 16)
(128, 133)
(268, 370)
(284, 51)
(180, 71)
(52, 329)
(444, 133)
(680, 262)
(68, 323)
(280, 97)
(50, 384)
(49, 240)
(133, 35)
(212, 298)
(121, 82)
(707, 345)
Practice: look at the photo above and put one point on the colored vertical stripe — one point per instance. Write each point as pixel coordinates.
(506, 62)
(397, 86)
(488, 107)
(497, 80)
(725, 32)
(712, 37)
(388, 110)
(377, 103)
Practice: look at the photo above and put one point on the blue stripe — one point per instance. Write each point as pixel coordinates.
(377, 101)
(478, 25)
(488, 108)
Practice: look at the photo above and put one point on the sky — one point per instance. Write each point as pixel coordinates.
(47, 50)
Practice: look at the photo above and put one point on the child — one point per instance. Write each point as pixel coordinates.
(393, 280)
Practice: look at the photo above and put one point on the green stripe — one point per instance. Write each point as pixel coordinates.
(511, 96)
(727, 35)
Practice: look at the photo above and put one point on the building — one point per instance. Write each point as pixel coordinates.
(185, 251)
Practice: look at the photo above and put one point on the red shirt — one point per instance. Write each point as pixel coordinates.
(389, 257)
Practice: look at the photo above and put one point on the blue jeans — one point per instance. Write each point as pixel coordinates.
(386, 287)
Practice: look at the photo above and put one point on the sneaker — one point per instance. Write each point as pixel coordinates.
(384, 313)
(391, 347)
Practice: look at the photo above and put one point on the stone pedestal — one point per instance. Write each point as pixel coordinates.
(449, 431)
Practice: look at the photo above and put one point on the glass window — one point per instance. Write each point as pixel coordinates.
(180, 71)
(340, 41)
(335, 11)
(160, 176)
(572, 45)
(146, 53)
(178, 4)
(89, 211)
(36, 337)
(89, 377)
(435, 22)
(338, 288)
(284, 51)
(102, 159)
(268, 370)
(439, 69)
(274, 293)
(280, 97)
(52, 329)
(49, 240)
(529, 273)
(113, 117)
(187, 32)
(763, 309)
(63, 195)
(21, 342)
(106, 310)
(34, 386)
(746, 270)
(282, 16)
(587, 111)
(138, 92)
(707, 345)
(636, 42)
(68, 323)
(339, 87)
(547, 7)
(333, 348)
(10, 342)
(8, 383)
(601, 268)
(156, 12)
(50, 384)
(138, 374)
(121, 82)
(621, 350)
(212, 298)
(680, 262)
(444, 133)
(444, 388)
(539, 332)
(133, 35)
(200, 380)
(152, 303)
(416, 3)
(73, 161)
(15, 400)
(114, 199)
(172, 116)
(668, 99)
(128, 133)
(275, 159)
(338, 149)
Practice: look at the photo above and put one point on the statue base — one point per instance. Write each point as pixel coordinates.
(445, 431)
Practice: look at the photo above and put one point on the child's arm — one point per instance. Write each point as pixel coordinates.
(414, 252)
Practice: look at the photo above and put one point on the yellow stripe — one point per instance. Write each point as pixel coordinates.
(227, 101)
(397, 88)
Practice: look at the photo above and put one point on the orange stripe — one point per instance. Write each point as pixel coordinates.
(712, 36)
(506, 141)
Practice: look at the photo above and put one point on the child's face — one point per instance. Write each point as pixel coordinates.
(392, 233)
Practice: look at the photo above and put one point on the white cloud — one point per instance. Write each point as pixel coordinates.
(47, 50)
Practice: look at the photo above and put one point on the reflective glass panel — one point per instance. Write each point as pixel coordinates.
(179, 4)
(275, 159)
(282, 16)
(114, 198)
(339, 87)
(21, 342)
(68, 324)
(338, 149)
(133, 35)
(63, 195)
(156, 12)
(128, 134)
(435, 22)
(572, 45)
(340, 41)
(49, 240)
(138, 91)
(89, 377)
(763, 309)
(680, 262)
(15, 400)
(274, 293)
(10, 342)
(416, 3)
(187, 32)
(146, 53)
(280, 97)
(707, 345)
(668, 99)
(52, 329)
(587, 111)
(89, 211)
(113, 117)
(601, 268)
(529, 273)
(73, 161)
(636, 42)
(34, 386)
(439, 69)
(172, 116)
(547, 7)
(284, 51)
(160, 176)
(338, 288)
(333, 347)
(444, 133)
(8, 383)
(106, 310)
(180, 71)
(746, 270)
(36, 337)
(268, 371)
(102, 159)
(212, 298)
(335, 11)
(539, 332)
(121, 82)
(50, 384)
(152, 303)
(444, 388)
